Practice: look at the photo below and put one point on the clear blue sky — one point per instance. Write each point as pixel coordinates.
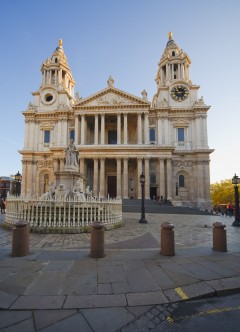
(124, 39)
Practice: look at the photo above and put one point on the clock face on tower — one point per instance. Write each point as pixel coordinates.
(179, 92)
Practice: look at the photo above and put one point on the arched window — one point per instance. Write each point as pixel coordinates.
(181, 181)
(45, 183)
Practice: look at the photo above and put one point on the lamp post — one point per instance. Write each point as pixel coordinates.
(236, 181)
(18, 179)
(142, 220)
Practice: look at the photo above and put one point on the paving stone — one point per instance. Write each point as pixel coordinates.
(107, 319)
(192, 291)
(225, 285)
(201, 272)
(26, 325)
(74, 323)
(140, 280)
(79, 284)
(17, 283)
(84, 266)
(104, 289)
(148, 298)
(120, 287)
(111, 274)
(38, 302)
(9, 317)
(95, 301)
(160, 276)
(6, 300)
(46, 283)
(60, 266)
(178, 274)
(45, 318)
(139, 310)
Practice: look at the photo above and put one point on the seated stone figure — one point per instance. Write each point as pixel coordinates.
(78, 191)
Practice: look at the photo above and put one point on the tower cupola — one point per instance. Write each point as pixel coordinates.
(56, 72)
(174, 64)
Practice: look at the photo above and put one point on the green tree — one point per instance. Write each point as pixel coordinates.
(222, 193)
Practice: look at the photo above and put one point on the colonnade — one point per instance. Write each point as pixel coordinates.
(122, 176)
(99, 133)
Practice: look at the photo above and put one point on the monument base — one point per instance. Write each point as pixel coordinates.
(69, 178)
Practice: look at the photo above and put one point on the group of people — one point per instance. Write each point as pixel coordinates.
(227, 210)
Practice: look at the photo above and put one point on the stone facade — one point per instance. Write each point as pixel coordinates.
(119, 136)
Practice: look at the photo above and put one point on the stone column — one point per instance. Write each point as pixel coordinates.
(206, 184)
(29, 178)
(125, 130)
(64, 132)
(139, 128)
(119, 129)
(95, 177)
(166, 132)
(146, 129)
(147, 178)
(102, 128)
(200, 180)
(159, 130)
(83, 129)
(161, 178)
(96, 130)
(76, 130)
(119, 177)
(24, 177)
(139, 172)
(125, 178)
(169, 178)
(82, 166)
(34, 176)
(205, 135)
(62, 164)
(55, 165)
(102, 178)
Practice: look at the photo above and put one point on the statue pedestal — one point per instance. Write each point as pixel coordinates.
(69, 177)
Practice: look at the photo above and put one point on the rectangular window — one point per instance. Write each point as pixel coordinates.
(180, 132)
(112, 137)
(72, 134)
(46, 136)
(152, 135)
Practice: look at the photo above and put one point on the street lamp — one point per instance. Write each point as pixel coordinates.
(142, 220)
(236, 181)
(18, 179)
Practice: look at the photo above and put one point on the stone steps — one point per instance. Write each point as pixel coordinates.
(134, 205)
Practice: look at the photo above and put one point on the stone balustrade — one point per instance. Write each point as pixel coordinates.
(65, 215)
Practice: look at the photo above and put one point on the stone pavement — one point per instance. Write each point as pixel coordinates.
(133, 288)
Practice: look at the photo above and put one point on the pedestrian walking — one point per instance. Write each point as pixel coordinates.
(3, 206)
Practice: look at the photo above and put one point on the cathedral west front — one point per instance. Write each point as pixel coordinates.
(119, 136)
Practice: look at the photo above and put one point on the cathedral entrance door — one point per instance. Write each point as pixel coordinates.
(112, 186)
(153, 192)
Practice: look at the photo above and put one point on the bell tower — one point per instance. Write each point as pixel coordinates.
(174, 85)
(57, 88)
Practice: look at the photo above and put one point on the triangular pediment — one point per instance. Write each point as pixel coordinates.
(111, 97)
